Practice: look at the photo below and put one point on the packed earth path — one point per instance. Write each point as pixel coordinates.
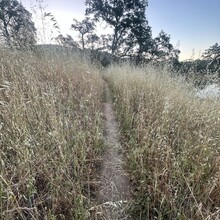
(113, 197)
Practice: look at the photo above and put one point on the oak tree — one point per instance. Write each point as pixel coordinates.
(84, 27)
(163, 50)
(212, 54)
(16, 27)
(125, 17)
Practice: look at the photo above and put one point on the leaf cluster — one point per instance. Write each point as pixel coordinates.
(132, 35)
(16, 27)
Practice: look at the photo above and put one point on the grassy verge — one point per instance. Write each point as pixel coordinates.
(50, 135)
(172, 141)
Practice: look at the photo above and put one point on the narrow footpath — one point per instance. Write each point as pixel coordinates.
(114, 190)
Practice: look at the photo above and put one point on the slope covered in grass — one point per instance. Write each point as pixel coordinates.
(50, 135)
(172, 140)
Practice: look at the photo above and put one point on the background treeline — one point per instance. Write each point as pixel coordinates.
(129, 39)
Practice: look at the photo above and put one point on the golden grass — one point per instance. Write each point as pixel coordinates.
(50, 135)
(172, 140)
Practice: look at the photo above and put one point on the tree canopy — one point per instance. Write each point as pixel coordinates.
(163, 49)
(213, 55)
(84, 27)
(16, 27)
(127, 18)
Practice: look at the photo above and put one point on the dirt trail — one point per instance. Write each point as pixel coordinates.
(114, 191)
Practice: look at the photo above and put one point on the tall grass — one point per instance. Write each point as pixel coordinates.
(50, 135)
(172, 140)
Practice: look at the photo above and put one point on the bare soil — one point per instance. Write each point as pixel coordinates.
(114, 189)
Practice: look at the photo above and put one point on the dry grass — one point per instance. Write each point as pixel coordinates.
(50, 135)
(172, 141)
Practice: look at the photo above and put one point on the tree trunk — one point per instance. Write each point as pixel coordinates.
(83, 43)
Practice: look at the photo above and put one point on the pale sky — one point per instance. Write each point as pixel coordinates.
(192, 23)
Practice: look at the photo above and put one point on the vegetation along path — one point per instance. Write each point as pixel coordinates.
(114, 191)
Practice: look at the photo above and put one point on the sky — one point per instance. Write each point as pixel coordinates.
(193, 25)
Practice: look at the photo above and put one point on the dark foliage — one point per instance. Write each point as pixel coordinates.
(127, 19)
(16, 28)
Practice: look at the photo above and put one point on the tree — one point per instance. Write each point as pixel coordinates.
(92, 41)
(141, 37)
(84, 27)
(213, 56)
(125, 17)
(16, 28)
(163, 49)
